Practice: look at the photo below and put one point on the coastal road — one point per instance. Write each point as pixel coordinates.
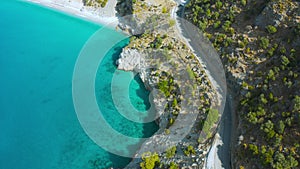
(219, 155)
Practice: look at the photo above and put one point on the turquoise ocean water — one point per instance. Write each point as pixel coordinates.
(38, 124)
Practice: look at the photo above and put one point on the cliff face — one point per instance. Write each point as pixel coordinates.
(124, 7)
(131, 60)
(135, 61)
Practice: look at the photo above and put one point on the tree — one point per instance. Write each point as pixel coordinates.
(158, 42)
(263, 99)
(271, 96)
(279, 161)
(264, 42)
(244, 2)
(278, 140)
(173, 166)
(164, 10)
(253, 148)
(268, 128)
(284, 61)
(149, 160)
(291, 162)
(281, 127)
(171, 152)
(164, 87)
(217, 24)
(296, 104)
(226, 25)
(252, 117)
(174, 104)
(271, 29)
(189, 150)
(268, 156)
(208, 13)
(271, 75)
(219, 4)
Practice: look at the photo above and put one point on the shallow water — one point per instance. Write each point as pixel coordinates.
(39, 128)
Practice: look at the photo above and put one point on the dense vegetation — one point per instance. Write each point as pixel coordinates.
(209, 122)
(96, 3)
(150, 160)
(262, 60)
(171, 91)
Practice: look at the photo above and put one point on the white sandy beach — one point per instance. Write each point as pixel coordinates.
(103, 16)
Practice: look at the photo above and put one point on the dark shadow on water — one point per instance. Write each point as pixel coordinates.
(116, 55)
(142, 92)
(119, 161)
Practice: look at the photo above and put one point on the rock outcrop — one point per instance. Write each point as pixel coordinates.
(131, 60)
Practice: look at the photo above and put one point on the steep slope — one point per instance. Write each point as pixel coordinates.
(259, 45)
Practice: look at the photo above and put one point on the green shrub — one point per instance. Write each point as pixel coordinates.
(149, 160)
(297, 29)
(164, 10)
(244, 2)
(282, 50)
(284, 61)
(263, 99)
(253, 148)
(190, 73)
(271, 29)
(189, 150)
(172, 22)
(211, 119)
(268, 128)
(216, 15)
(208, 13)
(241, 44)
(270, 52)
(171, 152)
(171, 121)
(173, 165)
(271, 75)
(264, 42)
(217, 24)
(202, 25)
(219, 4)
(226, 25)
(281, 127)
(167, 131)
(174, 104)
(103, 4)
(296, 104)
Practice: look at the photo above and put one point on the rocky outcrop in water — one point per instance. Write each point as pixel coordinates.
(130, 60)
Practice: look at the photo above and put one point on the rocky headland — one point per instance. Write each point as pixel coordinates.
(183, 94)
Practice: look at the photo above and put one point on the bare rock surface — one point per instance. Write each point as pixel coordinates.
(130, 59)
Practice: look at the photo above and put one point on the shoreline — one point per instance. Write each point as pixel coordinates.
(105, 16)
